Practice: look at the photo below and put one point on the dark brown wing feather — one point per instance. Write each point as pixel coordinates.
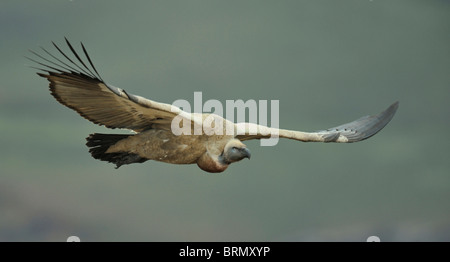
(82, 89)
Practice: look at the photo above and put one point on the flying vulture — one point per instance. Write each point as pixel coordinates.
(75, 83)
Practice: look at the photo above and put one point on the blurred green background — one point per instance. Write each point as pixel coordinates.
(327, 62)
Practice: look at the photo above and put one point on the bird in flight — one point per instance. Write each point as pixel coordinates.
(75, 83)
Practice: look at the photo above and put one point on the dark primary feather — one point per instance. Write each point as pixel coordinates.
(78, 57)
(90, 61)
(56, 64)
(76, 85)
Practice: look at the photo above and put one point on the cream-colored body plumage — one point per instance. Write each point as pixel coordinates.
(164, 146)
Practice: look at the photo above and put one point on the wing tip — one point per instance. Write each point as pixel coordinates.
(67, 65)
(389, 113)
(393, 108)
(384, 118)
(363, 128)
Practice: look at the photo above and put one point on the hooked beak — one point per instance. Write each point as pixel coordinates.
(246, 153)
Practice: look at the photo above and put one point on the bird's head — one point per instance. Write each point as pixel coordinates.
(235, 151)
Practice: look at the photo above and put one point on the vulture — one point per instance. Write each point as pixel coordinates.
(75, 83)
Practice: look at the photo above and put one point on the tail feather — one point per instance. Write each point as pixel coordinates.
(99, 143)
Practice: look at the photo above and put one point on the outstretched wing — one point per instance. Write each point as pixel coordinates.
(80, 87)
(355, 131)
